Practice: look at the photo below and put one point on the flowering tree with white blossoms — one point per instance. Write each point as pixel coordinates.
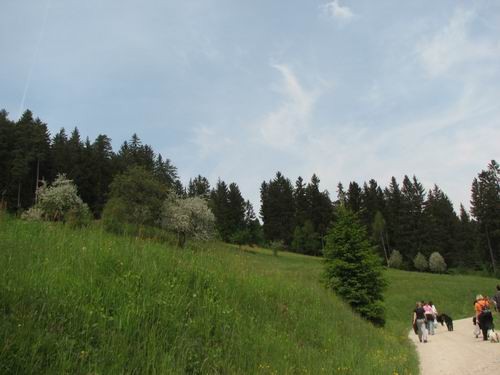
(437, 263)
(188, 217)
(59, 202)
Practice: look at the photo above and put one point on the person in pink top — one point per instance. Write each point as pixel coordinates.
(429, 318)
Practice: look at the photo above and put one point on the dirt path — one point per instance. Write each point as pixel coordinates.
(457, 352)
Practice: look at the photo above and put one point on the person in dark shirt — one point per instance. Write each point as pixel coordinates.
(419, 320)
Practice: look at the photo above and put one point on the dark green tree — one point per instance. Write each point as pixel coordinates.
(301, 204)
(199, 187)
(372, 201)
(394, 212)
(136, 197)
(411, 220)
(485, 207)
(466, 242)
(441, 223)
(278, 209)
(219, 204)
(353, 196)
(353, 269)
(236, 209)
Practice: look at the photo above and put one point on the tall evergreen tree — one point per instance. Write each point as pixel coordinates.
(353, 269)
(485, 207)
(372, 201)
(301, 204)
(199, 187)
(353, 197)
(278, 209)
(103, 172)
(219, 204)
(394, 209)
(236, 209)
(466, 240)
(412, 226)
(441, 224)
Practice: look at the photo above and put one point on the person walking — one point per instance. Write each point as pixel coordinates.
(434, 313)
(429, 318)
(419, 321)
(484, 318)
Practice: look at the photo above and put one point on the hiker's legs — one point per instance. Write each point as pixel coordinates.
(422, 331)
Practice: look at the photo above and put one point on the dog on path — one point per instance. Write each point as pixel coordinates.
(445, 319)
(493, 336)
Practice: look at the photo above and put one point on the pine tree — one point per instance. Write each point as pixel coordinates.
(219, 204)
(199, 187)
(372, 201)
(379, 234)
(278, 209)
(394, 206)
(485, 207)
(353, 197)
(320, 208)
(465, 240)
(103, 172)
(236, 209)
(353, 269)
(441, 224)
(301, 204)
(412, 226)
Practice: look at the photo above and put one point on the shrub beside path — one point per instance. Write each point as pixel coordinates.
(457, 352)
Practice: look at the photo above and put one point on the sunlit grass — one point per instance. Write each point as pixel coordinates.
(85, 301)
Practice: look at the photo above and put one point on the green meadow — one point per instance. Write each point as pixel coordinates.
(83, 301)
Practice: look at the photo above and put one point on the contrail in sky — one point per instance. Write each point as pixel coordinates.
(35, 56)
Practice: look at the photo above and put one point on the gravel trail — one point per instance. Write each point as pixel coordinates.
(457, 352)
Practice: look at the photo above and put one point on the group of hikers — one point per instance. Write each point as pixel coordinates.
(424, 320)
(426, 317)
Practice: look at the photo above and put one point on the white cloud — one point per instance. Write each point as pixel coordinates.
(282, 127)
(208, 141)
(336, 11)
(453, 46)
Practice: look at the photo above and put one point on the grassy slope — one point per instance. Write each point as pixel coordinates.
(88, 302)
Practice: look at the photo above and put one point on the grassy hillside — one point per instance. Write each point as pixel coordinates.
(85, 301)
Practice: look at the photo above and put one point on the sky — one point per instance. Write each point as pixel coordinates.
(238, 90)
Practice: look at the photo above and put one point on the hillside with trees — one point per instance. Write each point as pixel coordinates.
(403, 216)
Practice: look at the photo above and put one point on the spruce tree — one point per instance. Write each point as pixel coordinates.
(199, 187)
(441, 224)
(393, 199)
(278, 209)
(236, 209)
(353, 269)
(411, 221)
(219, 204)
(485, 207)
(353, 197)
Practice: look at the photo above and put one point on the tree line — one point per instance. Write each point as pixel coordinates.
(401, 216)
(29, 156)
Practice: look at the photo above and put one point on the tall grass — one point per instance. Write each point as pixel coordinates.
(452, 294)
(85, 301)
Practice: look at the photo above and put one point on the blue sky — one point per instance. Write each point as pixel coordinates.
(347, 89)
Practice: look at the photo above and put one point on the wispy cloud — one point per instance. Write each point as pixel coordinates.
(453, 45)
(282, 127)
(336, 11)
